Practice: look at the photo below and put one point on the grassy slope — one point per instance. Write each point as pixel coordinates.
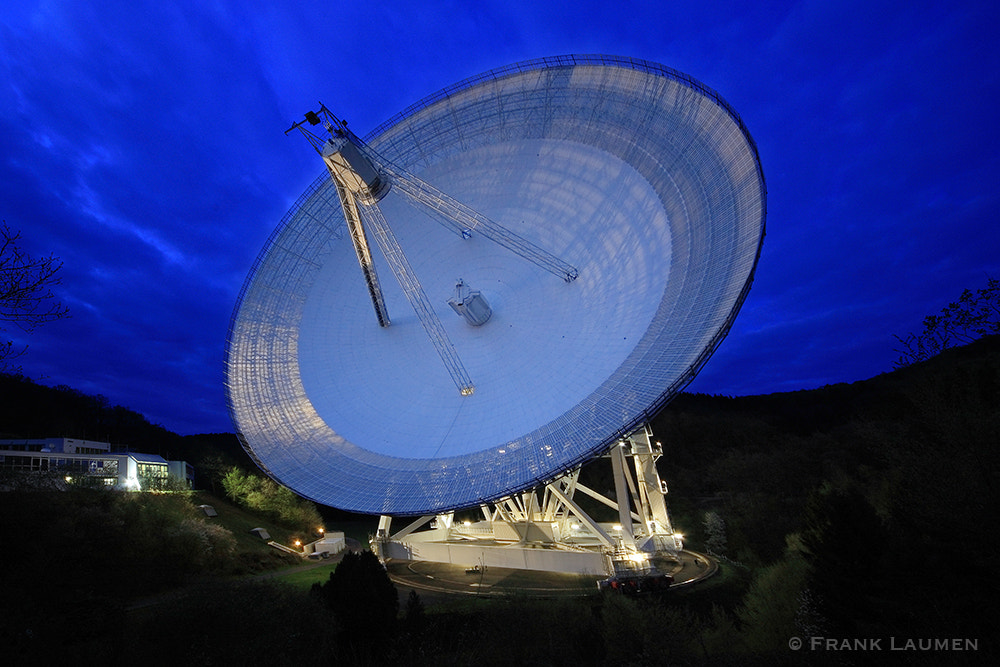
(240, 522)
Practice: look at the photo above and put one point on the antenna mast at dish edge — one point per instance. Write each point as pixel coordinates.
(362, 178)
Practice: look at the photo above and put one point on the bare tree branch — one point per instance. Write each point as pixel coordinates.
(974, 315)
(26, 298)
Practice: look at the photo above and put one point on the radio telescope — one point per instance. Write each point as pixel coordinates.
(548, 253)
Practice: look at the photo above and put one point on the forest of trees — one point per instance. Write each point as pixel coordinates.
(269, 499)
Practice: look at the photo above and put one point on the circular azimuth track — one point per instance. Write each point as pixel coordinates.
(639, 184)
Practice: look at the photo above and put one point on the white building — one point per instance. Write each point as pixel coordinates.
(92, 463)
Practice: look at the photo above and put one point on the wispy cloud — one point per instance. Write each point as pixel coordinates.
(143, 143)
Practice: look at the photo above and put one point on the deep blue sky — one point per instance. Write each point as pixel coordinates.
(143, 143)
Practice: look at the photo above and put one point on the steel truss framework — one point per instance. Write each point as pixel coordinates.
(363, 177)
(549, 518)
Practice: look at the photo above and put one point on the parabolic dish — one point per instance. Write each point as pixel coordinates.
(642, 178)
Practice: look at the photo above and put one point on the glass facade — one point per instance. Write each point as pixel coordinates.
(100, 470)
(152, 476)
(133, 471)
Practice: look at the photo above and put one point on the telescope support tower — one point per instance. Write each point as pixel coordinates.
(464, 221)
(546, 528)
(363, 252)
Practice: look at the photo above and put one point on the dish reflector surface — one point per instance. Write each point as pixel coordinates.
(643, 179)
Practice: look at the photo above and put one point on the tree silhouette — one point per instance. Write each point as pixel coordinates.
(845, 545)
(416, 621)
(974, 315)
(364, 600)
(26, 298)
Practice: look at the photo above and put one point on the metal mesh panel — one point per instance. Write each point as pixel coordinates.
(689, 148)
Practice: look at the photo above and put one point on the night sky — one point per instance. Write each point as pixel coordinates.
(143, 144)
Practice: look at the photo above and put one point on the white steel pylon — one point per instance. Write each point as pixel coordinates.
(466, 221)
(362, 178)
(547, 529)
(360, 185)
(415, 294)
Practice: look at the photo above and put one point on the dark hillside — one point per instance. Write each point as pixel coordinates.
(753, 459)
(31, 410)
(861, 510)
(77, 559)
(757, 459)
(885, 490)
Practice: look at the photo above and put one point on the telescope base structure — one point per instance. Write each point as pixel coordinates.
(545, 529)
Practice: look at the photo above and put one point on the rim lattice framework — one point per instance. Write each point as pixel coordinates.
(682, 150)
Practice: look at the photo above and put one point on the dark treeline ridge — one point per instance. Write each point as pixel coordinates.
(920, 439)
(32, 410)
(862, 510)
